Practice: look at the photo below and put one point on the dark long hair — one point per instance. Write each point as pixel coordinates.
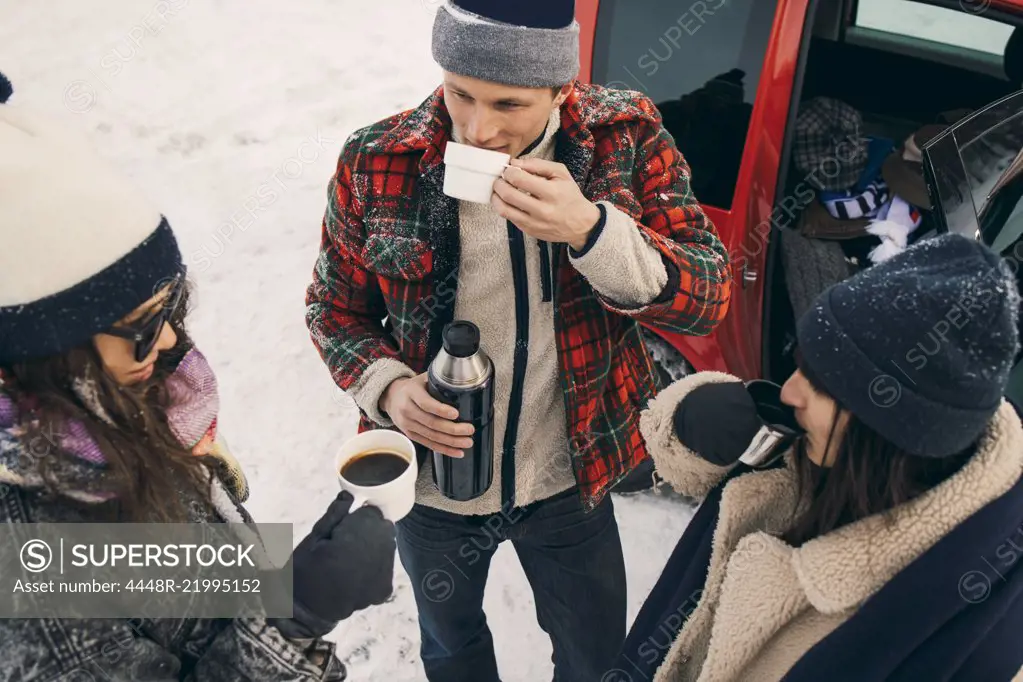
(147, 468)
(870, 475)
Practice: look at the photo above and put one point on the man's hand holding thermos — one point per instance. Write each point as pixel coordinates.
(424, 419)
(458, 386)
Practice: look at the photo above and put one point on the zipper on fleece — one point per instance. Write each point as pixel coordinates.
(517, 247)
(545, 270)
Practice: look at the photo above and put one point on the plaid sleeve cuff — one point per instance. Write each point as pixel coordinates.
(621, 264)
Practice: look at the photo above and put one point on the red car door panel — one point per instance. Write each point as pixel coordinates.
(650, 55)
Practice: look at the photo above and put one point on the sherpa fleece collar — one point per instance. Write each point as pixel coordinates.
(872, 550)
(842, 569)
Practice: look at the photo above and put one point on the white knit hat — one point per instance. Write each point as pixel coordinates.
(80, 247)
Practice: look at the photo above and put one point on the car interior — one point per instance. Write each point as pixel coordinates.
(899, 65)
(922, 79)
(898, 83)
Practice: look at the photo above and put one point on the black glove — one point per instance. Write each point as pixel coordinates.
(717, 421)
(345, 564)
(6, 89)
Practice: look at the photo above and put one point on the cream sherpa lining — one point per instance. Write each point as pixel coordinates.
(752, 501)
(374, 381)
(623, 266)
(687, 472)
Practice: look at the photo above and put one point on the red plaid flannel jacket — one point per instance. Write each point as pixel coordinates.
(385, 281)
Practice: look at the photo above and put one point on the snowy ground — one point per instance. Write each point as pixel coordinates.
(210, 107)
(230, 114)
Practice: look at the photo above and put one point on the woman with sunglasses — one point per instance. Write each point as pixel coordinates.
(108, 413)
(882, 539)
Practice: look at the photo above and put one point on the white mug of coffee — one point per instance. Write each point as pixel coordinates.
(378, 468)
(470, 172)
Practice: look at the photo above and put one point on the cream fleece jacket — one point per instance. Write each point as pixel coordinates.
(622, 265)
(766, 603)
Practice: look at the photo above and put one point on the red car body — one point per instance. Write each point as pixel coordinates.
(737, 346)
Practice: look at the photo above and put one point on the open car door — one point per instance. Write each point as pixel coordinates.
(974, 175)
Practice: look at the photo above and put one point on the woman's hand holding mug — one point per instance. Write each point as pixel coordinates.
(344, 564)
(724, 422)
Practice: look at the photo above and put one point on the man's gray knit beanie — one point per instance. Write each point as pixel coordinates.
(527, 43)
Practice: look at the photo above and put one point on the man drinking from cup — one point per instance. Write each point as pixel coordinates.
(589, 230)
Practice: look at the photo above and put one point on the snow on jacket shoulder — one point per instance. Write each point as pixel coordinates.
(139, 650)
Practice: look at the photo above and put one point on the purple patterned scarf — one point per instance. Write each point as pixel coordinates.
(192, 416)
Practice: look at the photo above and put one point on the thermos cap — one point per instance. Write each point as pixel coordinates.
(461, 338)
(461, 363)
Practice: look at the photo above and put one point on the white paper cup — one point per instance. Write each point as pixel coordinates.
(394, 499)
(470, 172)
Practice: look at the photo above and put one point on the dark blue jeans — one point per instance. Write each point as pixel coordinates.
(573, 561)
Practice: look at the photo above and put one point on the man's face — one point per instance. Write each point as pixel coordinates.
(499, 117)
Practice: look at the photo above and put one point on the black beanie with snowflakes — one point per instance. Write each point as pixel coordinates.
(919, 347)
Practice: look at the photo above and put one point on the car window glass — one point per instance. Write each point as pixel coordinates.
(977, 168)
(1007, 191)
(950, 185)
(700, 63)
(990, 148)
(967, 28)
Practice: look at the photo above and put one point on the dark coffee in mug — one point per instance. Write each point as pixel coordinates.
(374, 467)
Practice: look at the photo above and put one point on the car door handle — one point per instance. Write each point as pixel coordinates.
(748, 276)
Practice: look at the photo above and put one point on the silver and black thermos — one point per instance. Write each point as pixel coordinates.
(463, 376)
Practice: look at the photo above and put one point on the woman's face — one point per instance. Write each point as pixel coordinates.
(815, 412)
(118, 354)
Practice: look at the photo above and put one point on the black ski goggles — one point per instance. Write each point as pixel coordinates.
(146, 332)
